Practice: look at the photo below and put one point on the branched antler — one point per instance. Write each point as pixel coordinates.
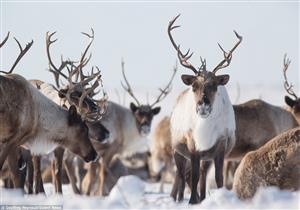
(287, 86)
(81, 88)
(183, 58)
(21, 54)
(167, 89)
(127, 87)
(227, 56)
(52, 68)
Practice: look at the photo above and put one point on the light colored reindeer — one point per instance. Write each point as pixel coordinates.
(161, 163)
(202, 122)
(128, 128)
(30, 119)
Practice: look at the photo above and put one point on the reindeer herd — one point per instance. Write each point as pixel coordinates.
(73, 130)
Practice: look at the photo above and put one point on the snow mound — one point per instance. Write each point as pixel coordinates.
(128, 192)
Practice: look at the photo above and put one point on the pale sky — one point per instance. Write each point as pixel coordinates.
(137, 31)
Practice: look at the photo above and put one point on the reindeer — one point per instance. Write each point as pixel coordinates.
(202, 122)
(277, 163)
(78, 94)
(128, 128)
(294, 104)
(161, 162)
(257, 122)
(31, 120)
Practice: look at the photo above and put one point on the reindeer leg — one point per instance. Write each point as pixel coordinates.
(219, 162)
(71, 175)
(204, 165)
(195, 161)
(37, 176)
(59, 154)
(91, 176)
(180, 162)
(13, 165)
(102, 177)
(29, 175)
(4, 151)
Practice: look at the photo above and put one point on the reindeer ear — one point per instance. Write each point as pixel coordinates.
(133, 107)
(73, 116)
(188, 79)
(289, 101)
(222, 79)
(156, 110)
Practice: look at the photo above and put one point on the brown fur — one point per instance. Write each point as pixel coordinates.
(20, 122)
(294, 107)
(162, 152)
(16, 100)
(277, 163)
(256, 123)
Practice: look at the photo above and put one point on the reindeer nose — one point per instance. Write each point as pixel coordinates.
(205, 99)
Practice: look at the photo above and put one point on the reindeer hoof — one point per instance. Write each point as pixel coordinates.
(195, 199)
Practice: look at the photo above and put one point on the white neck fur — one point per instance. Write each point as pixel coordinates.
(205, 131)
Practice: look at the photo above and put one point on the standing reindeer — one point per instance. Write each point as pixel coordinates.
(161, 162)
(129, 129)
(29, 119)
(294, 104)
(78, 94)
(257, 122)
(202, 122)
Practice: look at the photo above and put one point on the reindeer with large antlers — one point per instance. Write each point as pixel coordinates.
(77, 92)
(129, 129)
(31, 120)
(202, 122)
(197, 134)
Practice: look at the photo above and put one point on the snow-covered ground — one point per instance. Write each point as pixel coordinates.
(133, 193)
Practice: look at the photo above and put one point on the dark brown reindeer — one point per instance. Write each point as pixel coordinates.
(79, 93)
(202, 122)
(26, 119)
(294, 104)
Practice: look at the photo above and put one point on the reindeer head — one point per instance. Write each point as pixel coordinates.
(294, 104)
(204, 83)
(78, 91)
(144, 113)
(78, 140)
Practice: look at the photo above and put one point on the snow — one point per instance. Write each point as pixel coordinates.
(133, 193)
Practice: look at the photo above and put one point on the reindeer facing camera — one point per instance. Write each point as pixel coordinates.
(202, 122)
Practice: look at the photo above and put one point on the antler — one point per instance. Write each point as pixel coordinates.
(5, 39)
(227, 56)
(52, 68)
(287, 86)
(128, 87)
(183, 58)
(102, 103)
(167, 89)
(21, 54)
(78, 84)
